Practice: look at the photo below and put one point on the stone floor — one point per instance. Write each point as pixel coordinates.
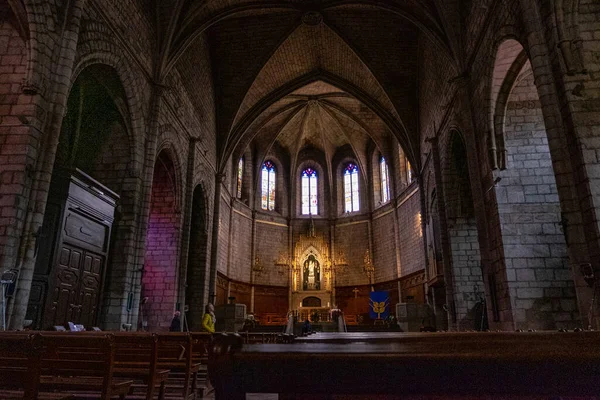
(255, 396)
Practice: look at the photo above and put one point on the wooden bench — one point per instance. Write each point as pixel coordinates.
(447, 365)
(79, 364)
(175, 353)
(137, 358)
(19, 377)
(67, 363)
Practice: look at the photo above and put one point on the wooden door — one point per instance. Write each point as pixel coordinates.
(90, 287)
(76, 287)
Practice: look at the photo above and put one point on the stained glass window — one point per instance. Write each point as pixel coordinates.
(309, 192)
(385, 181)
(268, 186)
(351, 188)
(240, 174)
(409, 172)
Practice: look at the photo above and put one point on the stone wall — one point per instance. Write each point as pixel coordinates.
(412, 258)
(541, 284)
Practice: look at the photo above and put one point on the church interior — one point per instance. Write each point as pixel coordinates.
(293, 158)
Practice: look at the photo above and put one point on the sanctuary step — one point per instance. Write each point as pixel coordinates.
(268, 328)
(372, 328)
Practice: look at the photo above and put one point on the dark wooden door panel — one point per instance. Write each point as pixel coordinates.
(64, 290)
(76, 288)
(89, 290)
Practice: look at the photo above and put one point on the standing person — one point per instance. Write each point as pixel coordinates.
(175, 322)
(209, 319)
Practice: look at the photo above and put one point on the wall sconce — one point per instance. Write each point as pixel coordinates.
(368, 266)
(257, 267)
(282, 263)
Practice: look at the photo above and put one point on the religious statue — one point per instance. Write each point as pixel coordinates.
(312, 274)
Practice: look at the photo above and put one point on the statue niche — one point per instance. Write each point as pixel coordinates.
(311, 274)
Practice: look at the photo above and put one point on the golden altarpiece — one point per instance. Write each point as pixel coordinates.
(312, 275)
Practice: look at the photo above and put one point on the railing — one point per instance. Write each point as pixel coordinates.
(309, 313)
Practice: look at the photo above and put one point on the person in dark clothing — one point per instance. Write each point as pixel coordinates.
(306, 328)
(175, 322)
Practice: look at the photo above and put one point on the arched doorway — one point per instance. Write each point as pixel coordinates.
(159, 279)
(74, 278)
(532, 248)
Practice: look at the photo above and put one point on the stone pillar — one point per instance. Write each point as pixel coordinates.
(446, 249)
(144, 213)
(48, 85)
(564, 43)
(214, 246)
(188, 201)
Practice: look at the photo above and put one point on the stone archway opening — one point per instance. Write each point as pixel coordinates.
(91, 188)
(532, 249)
(469, 304)
(159, 279)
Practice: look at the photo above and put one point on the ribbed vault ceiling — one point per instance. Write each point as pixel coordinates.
(306, 74)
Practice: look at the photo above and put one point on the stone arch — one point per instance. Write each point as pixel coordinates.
(247, 173)
(313, 160)
(95, 139)
(340, 161)
(240, 130)
(281, 182)
(468, 290)
(161, 272)
(133, 102)
(196, 290)
(376, 183)
(510, 60)
(531, 250)
(169, 148)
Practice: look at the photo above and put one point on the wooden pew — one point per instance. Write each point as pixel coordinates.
(137, 358)
(445, 365)
(175, 353)
(78, 363)
(19, 377)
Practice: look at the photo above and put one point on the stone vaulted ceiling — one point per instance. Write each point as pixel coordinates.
(296, 73)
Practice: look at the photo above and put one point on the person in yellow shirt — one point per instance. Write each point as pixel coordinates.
(209, 319)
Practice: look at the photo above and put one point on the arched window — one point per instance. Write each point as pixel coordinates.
(385, 181)
(351, 188)
(268, 186)
(410, 176)
(309, 192)
(240, 174)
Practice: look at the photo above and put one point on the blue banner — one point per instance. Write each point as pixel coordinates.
(379, 305)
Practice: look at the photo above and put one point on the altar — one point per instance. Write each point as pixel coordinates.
(312, 288)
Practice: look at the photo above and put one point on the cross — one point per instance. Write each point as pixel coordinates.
(355, 292)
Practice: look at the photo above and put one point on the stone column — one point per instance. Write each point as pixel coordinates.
(446, 249)
(48, 85)
(144, 213)
(214, 246)
(186, 222)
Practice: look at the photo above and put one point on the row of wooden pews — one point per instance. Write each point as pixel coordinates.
(391, 365)
(127, 365)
